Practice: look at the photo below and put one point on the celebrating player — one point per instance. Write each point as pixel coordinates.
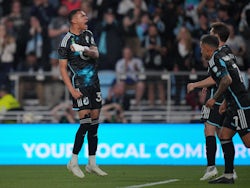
(78, 51)
(226, 75)
(211, 117)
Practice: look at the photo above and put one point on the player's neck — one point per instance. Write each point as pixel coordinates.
(221, 44)
(75, 30)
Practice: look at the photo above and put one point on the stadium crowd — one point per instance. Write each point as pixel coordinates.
(159, 35)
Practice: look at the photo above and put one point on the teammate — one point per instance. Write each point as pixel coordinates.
(78, 51)
(211, 117)
(227, 77)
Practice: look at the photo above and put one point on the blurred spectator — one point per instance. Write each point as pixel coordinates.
(128, 68)
(71, 4)
(157, 18)
(238, 47)
(201, 29)
(113, 113)
(101, 6)
(244, 28)
(115, 104)
(190, 7)
(57, 28)
(30, 65)
(54, 96)
(153, 62)
(55, 3)
(7, 100)
(110, 40)
(44, 12)
(195, 99)
(244, 18)
(183, 20)
(170, 19)
(209, 7)
(19, 19)
(116, 94)
(223, 15)
(87, 7)
(142, 26)
(184, 61)
(4, 7)
(35, 40)
(129, 23)
(125, 5)
(63, 113)
(7, 53)
(30, 87)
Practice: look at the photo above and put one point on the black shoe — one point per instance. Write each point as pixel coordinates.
(222, 179)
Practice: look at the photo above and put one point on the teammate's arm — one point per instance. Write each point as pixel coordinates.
(223, 106)
(207, 82)
(223, 85)
(65, 76)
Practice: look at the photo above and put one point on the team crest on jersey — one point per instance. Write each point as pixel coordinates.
(215, 69)
(85, 100)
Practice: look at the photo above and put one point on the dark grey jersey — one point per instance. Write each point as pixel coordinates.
(83, 68)
(224, 63)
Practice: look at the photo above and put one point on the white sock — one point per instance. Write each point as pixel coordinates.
(229, 176)
(74, 158)
(92, 160)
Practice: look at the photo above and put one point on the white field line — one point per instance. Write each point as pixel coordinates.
(152, 184)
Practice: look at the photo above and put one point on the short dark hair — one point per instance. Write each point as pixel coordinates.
(72, 13)
(210, 40)
(221, 29)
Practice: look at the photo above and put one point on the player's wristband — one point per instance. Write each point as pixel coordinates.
(80, 48)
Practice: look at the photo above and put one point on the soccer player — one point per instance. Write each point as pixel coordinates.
(227, 77)
(211, 117)
(78, 51)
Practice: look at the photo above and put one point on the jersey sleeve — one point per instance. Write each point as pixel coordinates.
(62, 53)
(92, 40)
(63, 49)
(218, 67)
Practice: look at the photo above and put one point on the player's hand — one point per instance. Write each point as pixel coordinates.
(78, 48)
(76, 94)
(210, 103)
(190, 87)
(223, 107)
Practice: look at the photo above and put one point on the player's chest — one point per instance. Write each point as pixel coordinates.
(82, 40)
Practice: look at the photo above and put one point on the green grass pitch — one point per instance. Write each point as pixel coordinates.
(119, 177)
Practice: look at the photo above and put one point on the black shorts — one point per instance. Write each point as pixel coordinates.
(238, 120)
(91, 99)
(212, 116)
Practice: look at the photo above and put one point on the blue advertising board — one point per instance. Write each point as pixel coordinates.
(119, 144)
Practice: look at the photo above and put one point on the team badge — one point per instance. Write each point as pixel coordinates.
(215, 69)
(85, 100)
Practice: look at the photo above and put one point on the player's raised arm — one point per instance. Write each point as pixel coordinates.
(207, 82)
(92, 52)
